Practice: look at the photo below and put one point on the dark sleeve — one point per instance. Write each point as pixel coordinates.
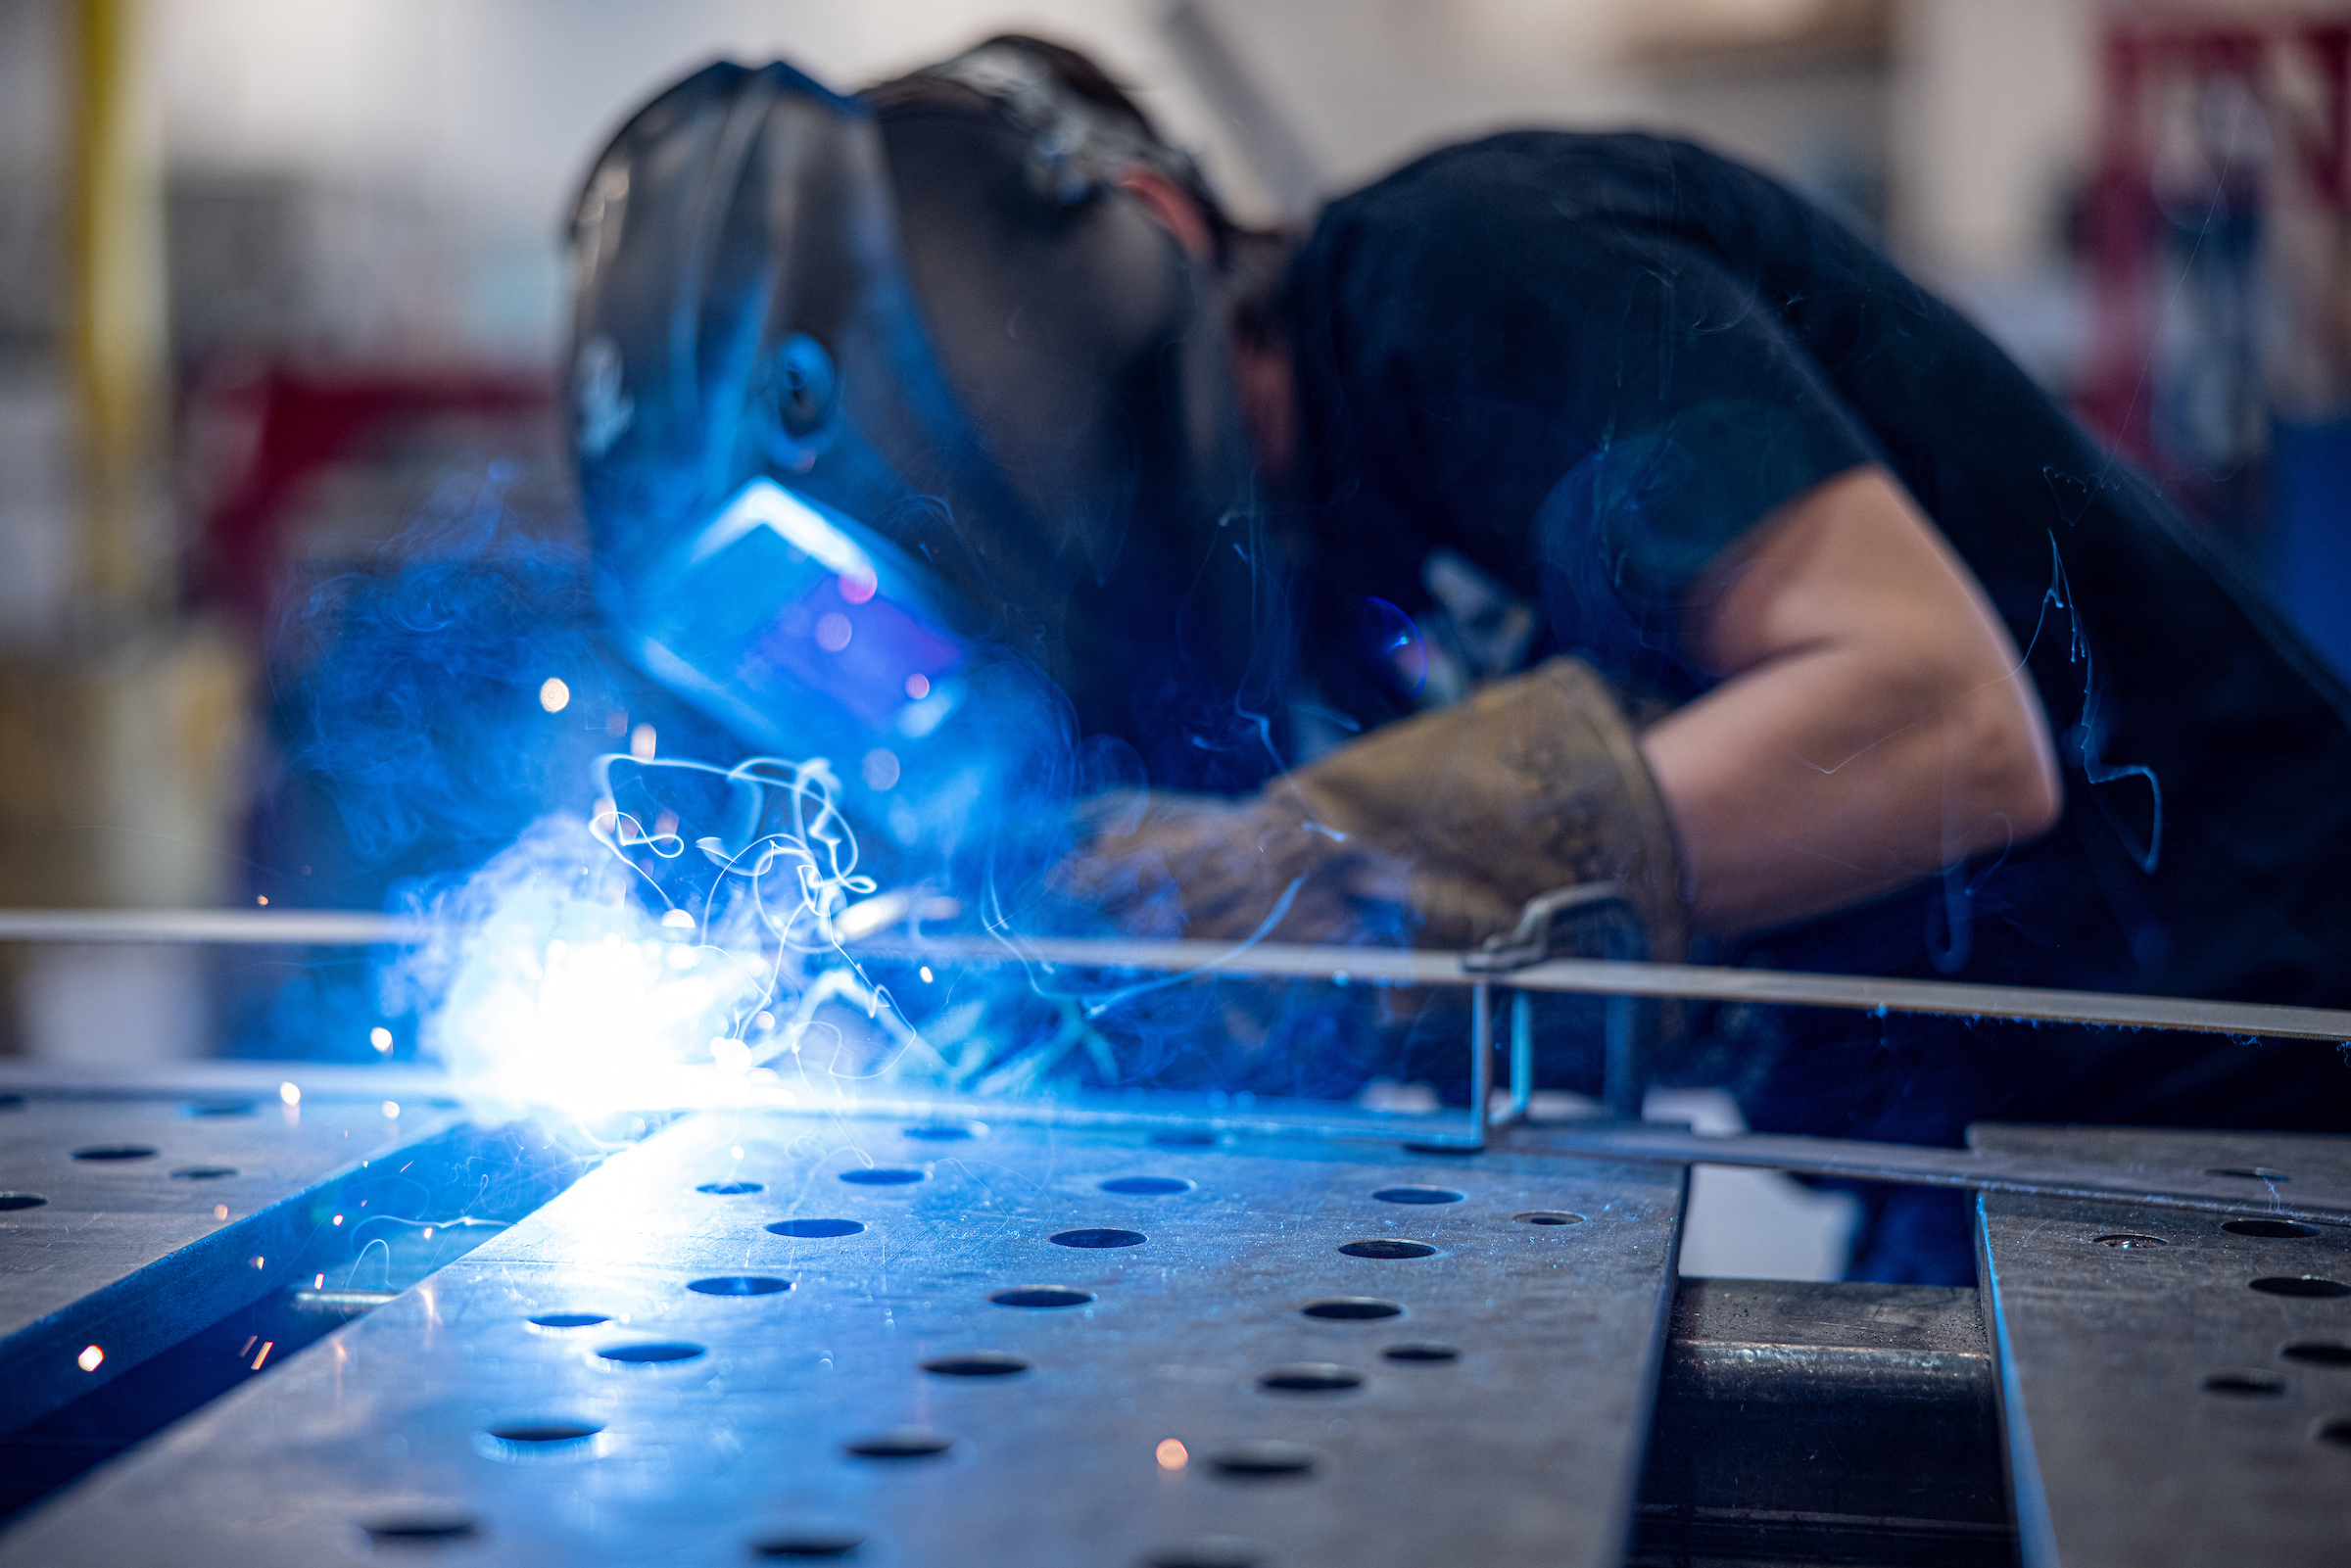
(1594, 405)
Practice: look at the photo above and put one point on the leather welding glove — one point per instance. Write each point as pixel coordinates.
(1451, 820)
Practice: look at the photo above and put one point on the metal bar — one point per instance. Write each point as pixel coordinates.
(1522, 1054)
(1343, 965)
(308, 928)
(2311, 1198)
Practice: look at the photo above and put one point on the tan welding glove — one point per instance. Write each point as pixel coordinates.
(1457, 818)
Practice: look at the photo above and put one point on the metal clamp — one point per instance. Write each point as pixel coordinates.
(1566, 922)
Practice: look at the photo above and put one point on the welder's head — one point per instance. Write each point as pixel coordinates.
(858, 385)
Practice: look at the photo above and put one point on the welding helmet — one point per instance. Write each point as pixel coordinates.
(826, 485)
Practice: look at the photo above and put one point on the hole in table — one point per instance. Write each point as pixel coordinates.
(2271, 1229)
(204, 1172)
(1309, 1377)
(1351, 1308)
(731, 1189)
(945, 1131)
(885, 1175)
(1417, 1194)
(2127, 1240)
(421, 1529)
(2337, 1431)
(114, 1151)
(1184, 1138)
(10, 1202)
(2318, 1353)
(1101, 1236)
(1209, 1551)
(2249, 1172)
(539, 1439)
(1042, 1296)
(2257, 1383)
(1270, 1457)
(2307, 1285)
(1548, 1216)
(739, 1285)
(905, 1445)
(819, 1542)
(570, 1319)
(1389, 1246)
(1420, 1350)
(654, 1354)
(977, 1363)
(1460, 1149)
(217, 1108)
(1147, 1186)
(814, 1229)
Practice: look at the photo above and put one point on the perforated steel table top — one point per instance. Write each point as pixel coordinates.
(129, 1222)
(2176, 1387)
(770, 1334)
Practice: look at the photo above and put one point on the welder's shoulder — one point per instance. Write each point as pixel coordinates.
(1571, 212)
(1548, 175)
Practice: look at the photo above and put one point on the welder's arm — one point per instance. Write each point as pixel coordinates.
(1874, 721)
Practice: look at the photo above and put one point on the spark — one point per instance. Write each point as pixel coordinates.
(220, 1210)
(925, 974)
(338, 1220)
(391, 1109)
(641, 743)
(267, 1347)
(1171, 1454)
(553, 695)
(918, 686)
(381, 1039)
(89, 1358)
(290, 1093)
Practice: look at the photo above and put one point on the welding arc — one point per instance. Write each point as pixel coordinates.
(1378, 966)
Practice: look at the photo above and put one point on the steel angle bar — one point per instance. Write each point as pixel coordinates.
(305, 927)
(1687, 981)
(2316, 1197)
(781, 1335)
(1370, 965)
(127, 1224)
(2175, 1388)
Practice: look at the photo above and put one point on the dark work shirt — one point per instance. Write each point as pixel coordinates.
(1588, 365)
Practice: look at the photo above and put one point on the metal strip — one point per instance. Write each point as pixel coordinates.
(2175, 1388)
(1371, 965)
(2151, 1184)
(1182, 1410)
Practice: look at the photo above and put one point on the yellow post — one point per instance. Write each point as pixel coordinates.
(117, 332)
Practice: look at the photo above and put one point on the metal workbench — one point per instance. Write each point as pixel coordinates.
(894, 1337)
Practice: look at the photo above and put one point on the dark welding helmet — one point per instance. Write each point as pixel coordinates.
(744, 353)
(822, 480)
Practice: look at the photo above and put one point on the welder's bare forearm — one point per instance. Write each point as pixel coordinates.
(1874, 723)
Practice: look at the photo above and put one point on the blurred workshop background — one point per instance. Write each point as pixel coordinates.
(276, 272)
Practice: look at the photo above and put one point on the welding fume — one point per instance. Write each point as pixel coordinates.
(1560, 511)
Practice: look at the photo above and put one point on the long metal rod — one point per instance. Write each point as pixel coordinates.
(1379, 966)
(2297, 1196)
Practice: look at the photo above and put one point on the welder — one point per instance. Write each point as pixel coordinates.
(1562, 511)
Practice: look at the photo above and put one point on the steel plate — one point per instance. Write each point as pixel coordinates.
(721, 1366)
(127, 1224)
(2175, 1388)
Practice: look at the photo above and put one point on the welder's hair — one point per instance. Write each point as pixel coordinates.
(963, 86)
